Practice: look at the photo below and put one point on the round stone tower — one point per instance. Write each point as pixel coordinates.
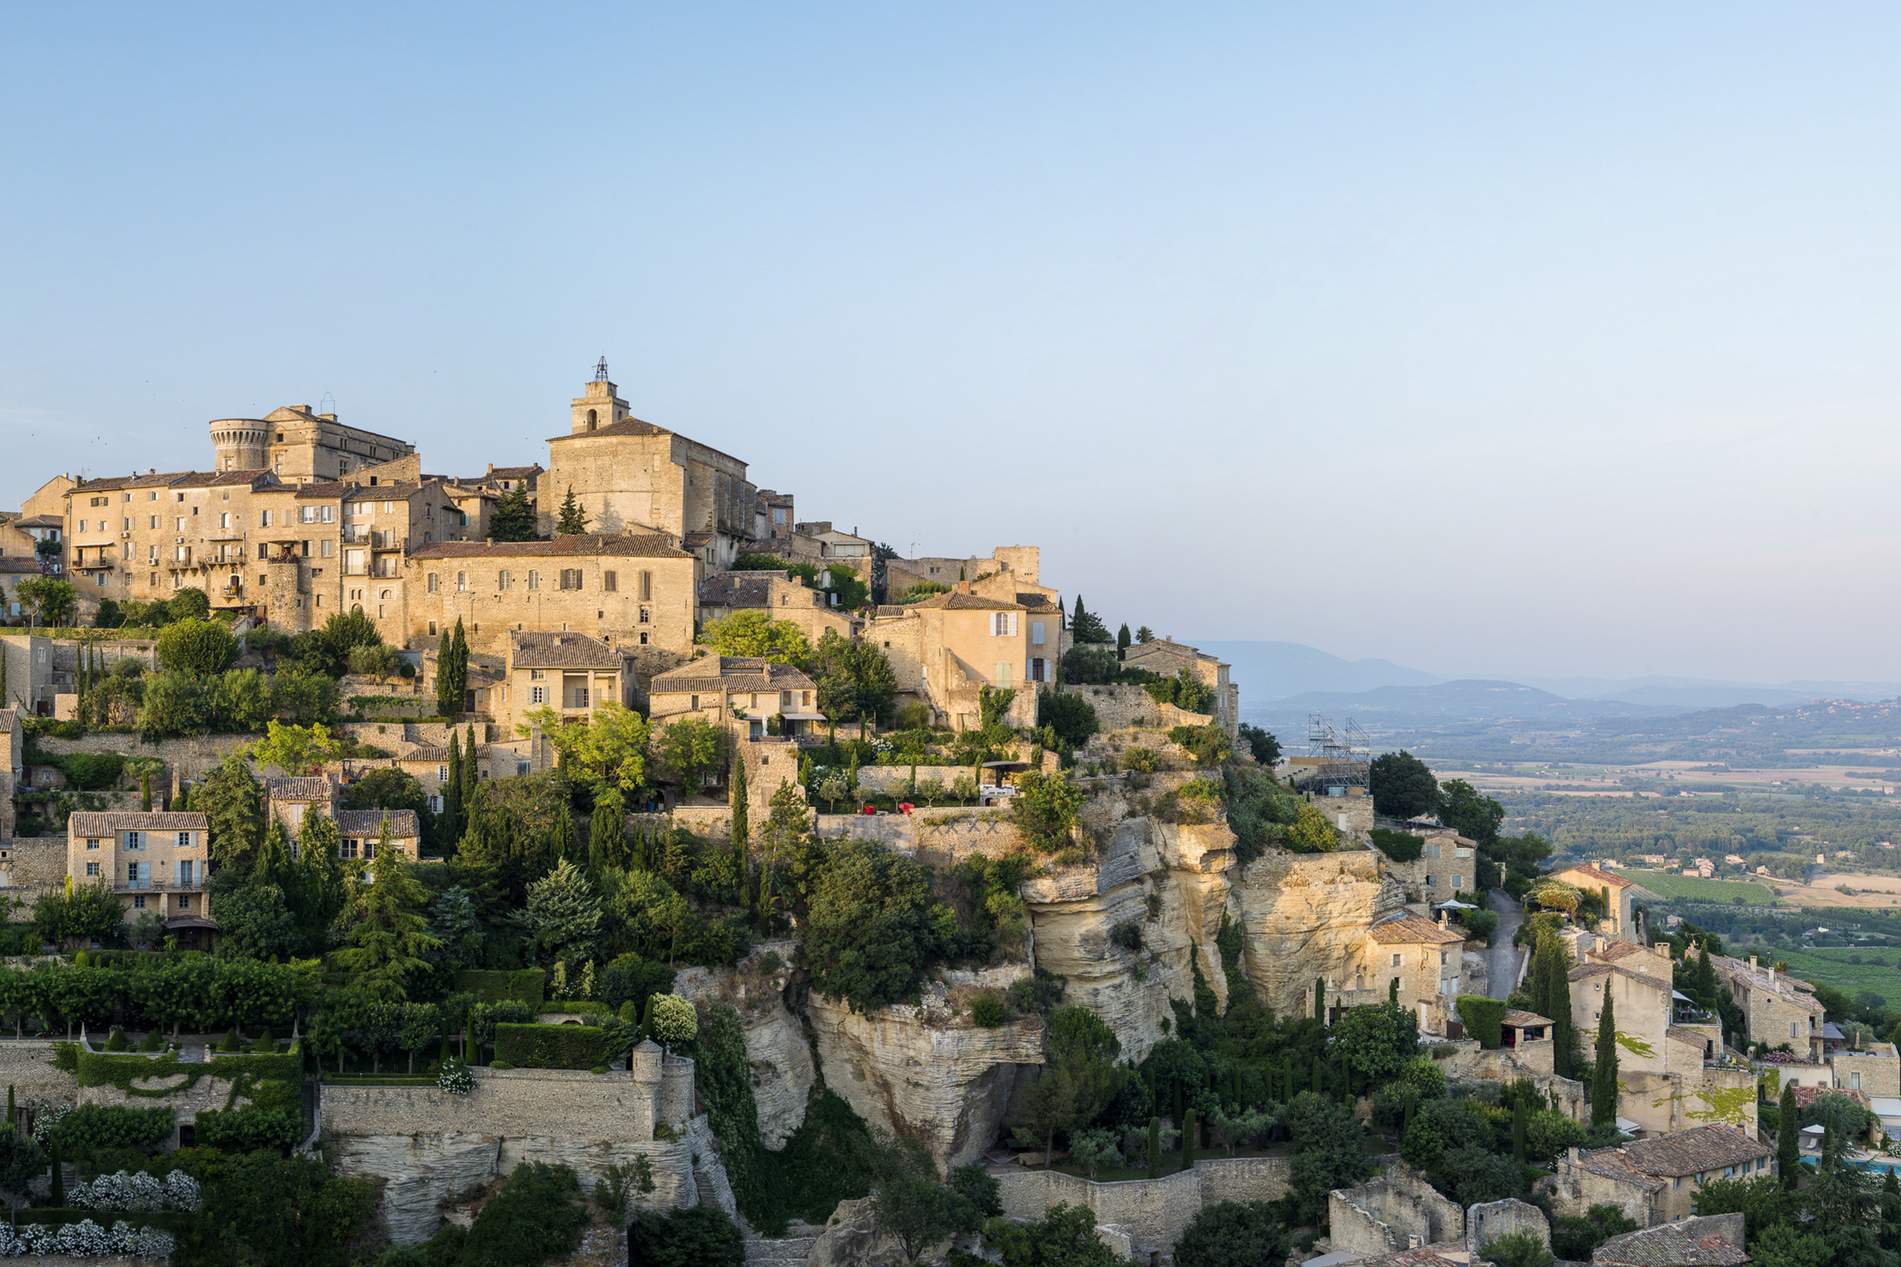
(241, 444)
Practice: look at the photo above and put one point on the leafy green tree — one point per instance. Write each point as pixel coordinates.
(1549, 985)
(1464, 809)
(756, 633)
(688, 751)
(319, 890)
(656, 917)
(1233, 1234)
(513, 518)
(698, 1236)
(452, 671)
(190, 603)
(1064, 1237)
(572, 520)
(1046, 810)
(1262, 746)
(607, 749)
(1401, 785)
(389, 787)
(855, 681)
(1785, 1245)
(232, 801)
(1329, 1152)
(1086, 626)
(1374, 1043)
(202, 648)
(1574, 1237)
(241, 700)
(1069, 715)
(386, 937)
(1517, 1249)
(49, 601)
(174, 703)
(78, 915)
(303, 695)
(21, 1159)
(1310, 831)
(563, 916)
(296, 749)
(1604, 1070)
(873, 927)
(538, 1215)
(518, 826)
(911, 1206)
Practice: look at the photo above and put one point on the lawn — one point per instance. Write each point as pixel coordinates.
(1879, 971)
(1666, 884)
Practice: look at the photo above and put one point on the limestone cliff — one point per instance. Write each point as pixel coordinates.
(782, 1070)
(923, 1072)
(1303, 915)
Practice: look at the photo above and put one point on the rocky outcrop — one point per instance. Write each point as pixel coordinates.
(782, 1070)
(1167, 881)
(1303, 916)
(851, 1238)
(919, 1071)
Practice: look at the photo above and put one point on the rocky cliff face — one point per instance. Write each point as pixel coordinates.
(1303, 915)
(782, 1070)
(919, 1071)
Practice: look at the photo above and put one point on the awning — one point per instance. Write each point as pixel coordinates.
(805, 716)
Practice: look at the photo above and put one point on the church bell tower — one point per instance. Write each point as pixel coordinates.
(600, 405)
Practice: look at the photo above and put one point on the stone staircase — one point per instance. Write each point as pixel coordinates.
(790, 1250)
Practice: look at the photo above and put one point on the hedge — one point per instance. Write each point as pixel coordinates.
(92, 1126)
(550, 1046)
(248, 1129)
(1400, 846)
(269, 1081)
(1483, 1018)
(495, 985)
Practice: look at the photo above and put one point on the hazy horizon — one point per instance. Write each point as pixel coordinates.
(1555, 342)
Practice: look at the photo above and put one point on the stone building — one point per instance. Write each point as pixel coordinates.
(1779, 1010)
(1710, 1240)
(1021, 564)
(12, 767)
(1448, 863)
(1165, 657)
(638, 592)
(780, 595)
(1425, 959)
(153, 861)
(289, 799)
(300, 446)
(33, 535)
(570, 673)
(747, 695)
(773, 517)
(946, 648)
(636, 478)
(1872, 1068)
(1656, 1180)
(1619, 895)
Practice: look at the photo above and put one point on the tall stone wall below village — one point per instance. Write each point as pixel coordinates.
(429, 1146)
(1123, 706)
(1152, 1213)
(26, 1065)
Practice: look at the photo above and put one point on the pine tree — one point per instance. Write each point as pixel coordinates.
(1788, 1146)
(1604, 1072)
(386, 934)
(319, 891)
(514, 517)
(572, 521)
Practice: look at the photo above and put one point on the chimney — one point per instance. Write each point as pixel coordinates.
(1576, 1154)
(1752, 961)
(1442, 917)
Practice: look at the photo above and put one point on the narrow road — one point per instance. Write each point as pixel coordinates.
(1501, 970)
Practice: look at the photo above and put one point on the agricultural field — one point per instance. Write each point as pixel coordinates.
(1695, 889)
(1879, 971)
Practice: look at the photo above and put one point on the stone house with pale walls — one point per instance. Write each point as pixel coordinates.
(1656, 1180)
(773, 517)
(1021, 565)
(289, 799)
(1619, 894)
(571, 673)
(1778, 1009)
(745, 695)
(1165, 657)
(1448, 864)
(780, 595)
(636, 478)
(35, 533)
(638, 592)
(946, 648)
(1425, 958)
(154, 862)
(300, 446)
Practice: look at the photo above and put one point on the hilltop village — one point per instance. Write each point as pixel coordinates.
(592, 861)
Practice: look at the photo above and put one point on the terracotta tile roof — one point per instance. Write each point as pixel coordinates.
(425, 752)
(954, 601)
(739, 589)
(534, 649)
(1421, 1257)
(1514, 1016)
(1681, 1153)
(1596, 969)
(40, 521)
(506, 473)
(1711, 1241)
(591, 543)
(18, 565)
(628, 426)
(1620, 950)
(100, 824)
(1595, 875)
(1412, 927)
(300, 787)
(168, 479)
(1807, 1095)
(369, 822)
(731, 673)
(8, 716)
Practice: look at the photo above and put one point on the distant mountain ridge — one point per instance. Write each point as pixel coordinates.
(1274, 670)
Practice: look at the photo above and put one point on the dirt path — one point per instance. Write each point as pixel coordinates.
(1502, 969)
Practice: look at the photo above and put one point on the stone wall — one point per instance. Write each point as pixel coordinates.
(26, 1064)
(897, 778)
(188, 756)
(1486, 1222)
(1124, 706)
(31, 866)
(429, 1146)
(1152, 1213)
(1398, 1210)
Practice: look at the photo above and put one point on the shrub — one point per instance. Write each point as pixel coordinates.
(95, 1126)
(537, 1215)
(1127, 934)
(246, 1129)
(987, 1010)
(1400, 846)
(533, 1046)
(699, 1236)
(1482, 1018)
(1208, 745)
(524, 985)
(1070, 716)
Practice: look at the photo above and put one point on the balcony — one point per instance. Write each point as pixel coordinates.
(195, 885)
(225, 534)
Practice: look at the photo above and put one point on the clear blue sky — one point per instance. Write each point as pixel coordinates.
(1476, 337)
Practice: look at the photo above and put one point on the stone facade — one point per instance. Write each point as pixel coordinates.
(154, 862)
(299, 445)
(1489, 1220)
(1874, 1070)
(1151, 1213)
(1780, 1010)
(1397, 1210)
(1166, 658)
(947, 648)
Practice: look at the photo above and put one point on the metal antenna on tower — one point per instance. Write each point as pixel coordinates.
(326, 404)
(600, 370)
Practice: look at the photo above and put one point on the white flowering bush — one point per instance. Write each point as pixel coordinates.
(46, 1116)
(136, 1190)
(454, 1077)
(85, 1239)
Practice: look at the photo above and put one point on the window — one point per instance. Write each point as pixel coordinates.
(323, 548)
(184, 840)
(646, 616)
(132, 841)
(138, 902)
(327, 514)
(429, 583)
(306, 514)
(501, 579)
(534, 579)
(185, 869)
(347, 848)
(1457, 882)
(91, 843)
(461, 582)
(92, 868)
(1854, 1080)
(1036, 634)
(1003, 624)
(570, 578)
(1396, 959)
(537, 695)
(263, 518)
(646, 587)
(184, 901)
(610, 582)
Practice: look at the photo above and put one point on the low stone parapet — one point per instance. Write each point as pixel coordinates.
(1150, 1214)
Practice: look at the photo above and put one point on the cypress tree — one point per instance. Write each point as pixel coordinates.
(145, 788)
(572, 520)
(1155, 1147)
(736, 800)
(1320, 999)
(1604, 1072)
(12, 1112)
(449, 823)
(1788, 1149)
(1521, 1124)
(1392, 991)
(471, 769)
(1122, 642)
(607, 833)
(1190, 1124)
